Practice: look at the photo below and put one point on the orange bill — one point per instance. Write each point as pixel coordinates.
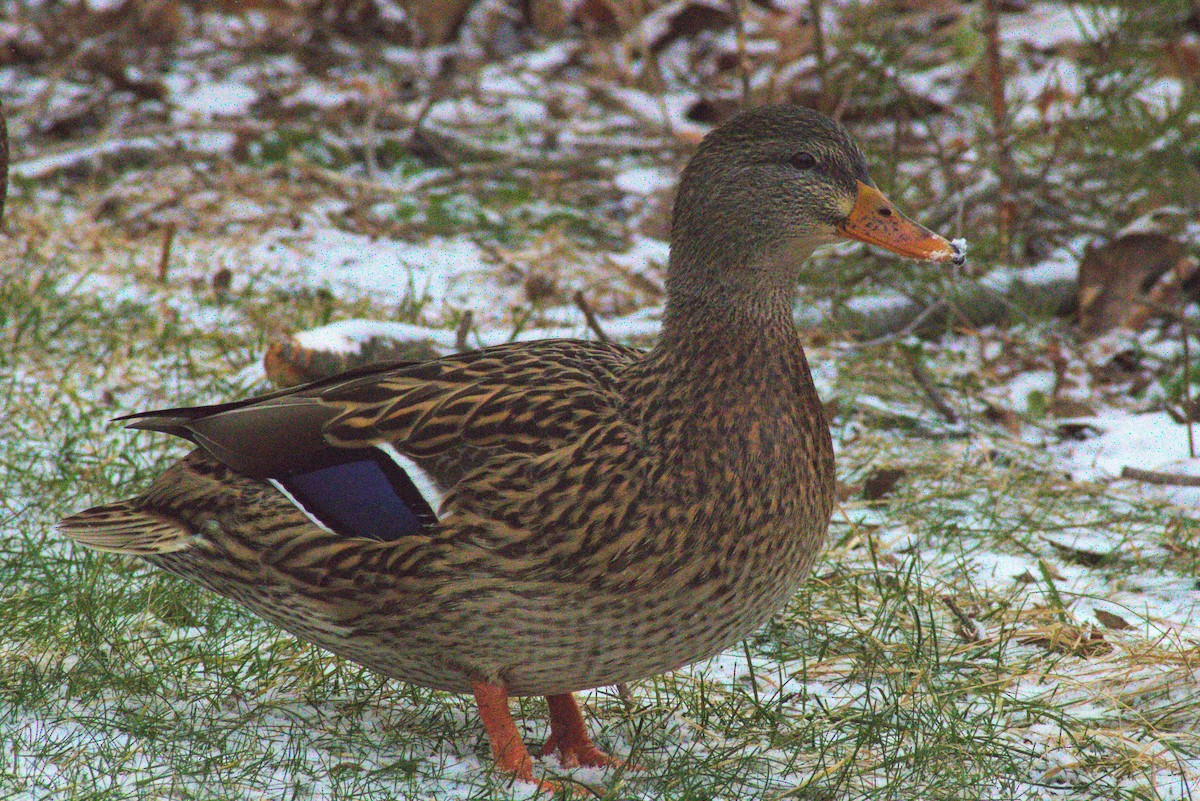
(876, 221)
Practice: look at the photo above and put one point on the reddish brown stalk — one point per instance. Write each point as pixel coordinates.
(1006, 213)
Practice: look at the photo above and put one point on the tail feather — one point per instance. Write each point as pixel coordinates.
(124, 527)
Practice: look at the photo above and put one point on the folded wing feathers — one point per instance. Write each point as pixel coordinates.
(515, 399)
(124, 528)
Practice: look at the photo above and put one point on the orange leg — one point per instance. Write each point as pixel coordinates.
(569, 736)
(507, 746)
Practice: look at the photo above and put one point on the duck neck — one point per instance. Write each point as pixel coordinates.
(730, 315)
(728, 355)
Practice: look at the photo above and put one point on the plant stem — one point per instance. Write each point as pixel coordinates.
(1006, 213)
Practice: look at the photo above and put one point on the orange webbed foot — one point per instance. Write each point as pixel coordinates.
(569, 737)
(508, 749)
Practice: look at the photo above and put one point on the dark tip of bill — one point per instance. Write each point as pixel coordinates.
(960, 253)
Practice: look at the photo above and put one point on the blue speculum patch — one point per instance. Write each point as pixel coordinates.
(371, 497)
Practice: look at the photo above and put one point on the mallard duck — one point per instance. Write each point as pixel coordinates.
(545, 517)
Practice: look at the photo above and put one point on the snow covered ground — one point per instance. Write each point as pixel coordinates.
(1064, 619)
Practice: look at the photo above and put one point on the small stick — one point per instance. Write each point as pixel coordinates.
(1159, 478)
(967, 628)
(916, 323)
(921, 376)
(590, 316)
(164, 255)
(625, 696)
(463, 329)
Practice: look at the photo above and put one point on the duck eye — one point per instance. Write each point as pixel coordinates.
(803, 161)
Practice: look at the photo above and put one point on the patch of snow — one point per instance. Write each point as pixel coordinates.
(204, 142)
(349, 336)
(646, 251)
(644, 180)
(1146, 441)
(546, 59)
(868, 304)
(1022, 387)
(667, 110)
(940, 85)
(319, 95)
(448, 269)
(207, 101)
(1046, 26)
(498, 81)
(1162, 96)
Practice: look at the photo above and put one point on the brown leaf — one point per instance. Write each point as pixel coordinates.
(541, 288)
(1004, 416)
(681, 20)
(222, 279)
(1183, 58)
(1114, 280)
(603, 17)
(437, 23)
(1049, 571)
(1066, 407)
(548, 17)
(1122, 366)
(1111, 621)
(1076, 432)
(1083, 556)
(882, 482)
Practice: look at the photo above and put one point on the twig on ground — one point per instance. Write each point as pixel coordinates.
(164, 255)
(966, 627)
(912, 326)
(590, 316)
(921, 376)
(625, 696)
(1160, 478)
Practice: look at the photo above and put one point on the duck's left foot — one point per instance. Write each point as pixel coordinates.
(569, 737)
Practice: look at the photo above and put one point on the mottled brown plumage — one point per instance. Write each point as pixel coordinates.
(608, 513)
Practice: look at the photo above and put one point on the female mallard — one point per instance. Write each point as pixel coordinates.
(544, 517)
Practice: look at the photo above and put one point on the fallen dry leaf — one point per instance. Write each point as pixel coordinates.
(882, 482)
(1111, 621)
(1115, 279)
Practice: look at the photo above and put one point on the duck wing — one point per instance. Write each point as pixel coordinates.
(371, 453)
